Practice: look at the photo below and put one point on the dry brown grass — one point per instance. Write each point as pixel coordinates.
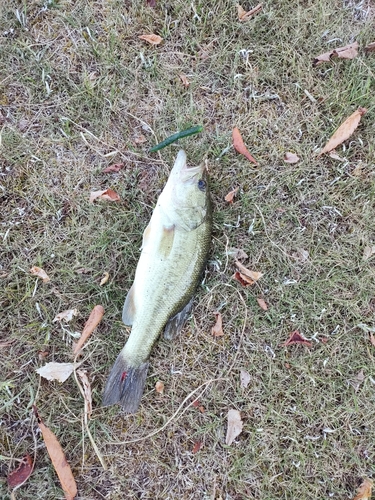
(77, 85)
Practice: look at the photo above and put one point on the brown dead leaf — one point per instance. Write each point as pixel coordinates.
(107, 194)
(86, 391)
(159, 387)
(93, 321)
(370, 47)
(43, 354)
(365, 490)
(368, 252)
(347, 52)
(241, 278)
(244, 15)
(357, 380)
(116, 167)
(240, 147)
(153, 39)
(217, 329)
(244, 379)
(229, 197)
(197, 446)
(344, 131)
(66, 315)
(253, 275)
(235, 425)
(291, 158)
(104, 279)
(184, 79)
(58, 459)
(38, 271)
(57, 371)
(20, 475)
(262, 304)
(296, 338)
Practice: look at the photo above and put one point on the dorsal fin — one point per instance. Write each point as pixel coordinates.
(128, 311)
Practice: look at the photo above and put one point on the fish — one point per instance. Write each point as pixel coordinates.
(173, 257)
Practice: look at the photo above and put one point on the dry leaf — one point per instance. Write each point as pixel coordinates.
(104, 279)
(42, 355)
(370, 47)
(66, 315)
(291, 158)
(241, 278)
(58, 459)
(262, 304)
(107, 194)
(335, 156)
(57, 371)
(253, 275)
(184, 79)
(348, 52)
(159, 387)
(237, 253)
(153, 39)
(116, 167)
(234, 426)
(217, 329)
(345, 130)
(20, 475)
(244, 378)
(368, 252)
(87, 392)
(357, 380)
(296, 338)
(229, 197)
(38, 271)
(90, 325)
(197, 446)
(244, 15)
(364, 491)
(240, 147)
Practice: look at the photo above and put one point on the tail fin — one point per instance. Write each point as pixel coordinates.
(125, 385)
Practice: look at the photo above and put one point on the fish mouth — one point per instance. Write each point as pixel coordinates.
(187, 173)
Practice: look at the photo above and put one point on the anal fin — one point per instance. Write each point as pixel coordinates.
(128, 311)
(176, 323)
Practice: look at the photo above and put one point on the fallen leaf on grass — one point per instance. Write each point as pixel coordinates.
(229, 197)
(244, 15)
(159, 387)
(344, 131)
(197, 446)
(153, 39)
(237, 253)
(241, 278)
(217, 329)
(348, 52)
(364, 491)
(116, 167)
(244, 378)
(38, 271)
(235, 425)
(291, 158)
(335, 156)
(107, 194)
(368, 252)
(253, 275)
(262, 304)
(20, 475)
(240, 147)
(357, 380)
(86, 391)
(66, 315)
(370, 47)
(296, 338)
(90, 325)
(58, 459)
(57, 371)
(184, 79)
(104, 280)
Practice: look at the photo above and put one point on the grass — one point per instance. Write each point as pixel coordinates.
(77, 87)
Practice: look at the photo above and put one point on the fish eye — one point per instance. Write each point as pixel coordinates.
(201, 185)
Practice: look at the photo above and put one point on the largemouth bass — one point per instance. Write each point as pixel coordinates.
(174, 253)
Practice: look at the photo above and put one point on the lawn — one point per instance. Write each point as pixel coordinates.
(80, 91)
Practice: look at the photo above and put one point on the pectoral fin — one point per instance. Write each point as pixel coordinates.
(128, 311)
(175, 324)
(166, 242)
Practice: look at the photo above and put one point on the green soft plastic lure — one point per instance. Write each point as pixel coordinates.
(175, 137)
